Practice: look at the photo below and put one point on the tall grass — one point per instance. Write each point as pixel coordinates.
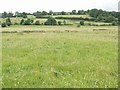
(83, 59)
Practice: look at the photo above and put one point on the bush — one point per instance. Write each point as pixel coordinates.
(32, 21)
(59, 23)
(3, 25)
(64, 22)
(81, 22)
(27, 22)
(37, 23)
(114, 23)
(8, 22)
(15, 23)
(22, 21)
(51, 21)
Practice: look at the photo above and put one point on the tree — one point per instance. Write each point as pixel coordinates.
(100, 17)
(37, 23)
(38, 14)
(51, 21)
(50, 13)
(44, 13)
(59, 23)
(109, 19)
(10, 14)
(81, 12)
(93, 13)
(22, 21)
(4, 15)
(114, 23)
(63, 13)
(81, 22)
(74, 12)
(3, 24)
(17, 14)
(24, 15)
(27, 22)
(64, 22)
(8, 22)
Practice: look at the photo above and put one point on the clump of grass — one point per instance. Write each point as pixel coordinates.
(9, 32)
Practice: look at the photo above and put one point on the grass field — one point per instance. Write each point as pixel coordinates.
(60, 57)
(0, 60)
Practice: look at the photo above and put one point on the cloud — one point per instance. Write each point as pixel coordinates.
(56, 5)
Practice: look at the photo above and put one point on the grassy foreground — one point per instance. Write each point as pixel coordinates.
(63, 59)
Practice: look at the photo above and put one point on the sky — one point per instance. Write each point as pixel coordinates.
(56, 5)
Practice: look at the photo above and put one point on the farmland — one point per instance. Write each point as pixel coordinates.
(59, 56)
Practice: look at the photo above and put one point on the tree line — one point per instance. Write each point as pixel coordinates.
(28, 21)
(96, 13)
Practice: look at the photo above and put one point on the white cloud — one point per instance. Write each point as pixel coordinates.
(56, 5)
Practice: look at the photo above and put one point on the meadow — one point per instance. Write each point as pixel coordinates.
(60, 57)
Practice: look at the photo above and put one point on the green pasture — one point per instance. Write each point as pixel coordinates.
(60, 57)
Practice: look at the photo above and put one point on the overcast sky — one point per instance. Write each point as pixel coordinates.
(56, 5)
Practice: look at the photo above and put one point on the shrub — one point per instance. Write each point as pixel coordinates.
(3, 25)
(37, 23)
(27, 22)
(51, 21)
(59, 23)
(22, 21)
(64, 22)
(15, 23)
(81, 22)
(114, 23)
(8, 22)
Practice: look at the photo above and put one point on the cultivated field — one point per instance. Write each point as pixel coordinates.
(60, 57)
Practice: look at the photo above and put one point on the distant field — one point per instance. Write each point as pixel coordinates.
(60, 57)
(83, 16)
(42, 20)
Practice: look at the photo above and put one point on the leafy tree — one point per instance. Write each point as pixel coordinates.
(74, 12)
(109, 19)
(3, 24)
(17, 14)
(63, 13)
(100, 17)
(51, 21)
(10, 14)
(27, 22)
(4, 15)
(24, 15)
(64, 22)
(50, 13)
(114, 23)
(32, 20)
(37, 22)
(38, 14)
(93, 13)
(44, 13)
(59, 23)
(81, 12)
(8, 22)
(22, 21)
